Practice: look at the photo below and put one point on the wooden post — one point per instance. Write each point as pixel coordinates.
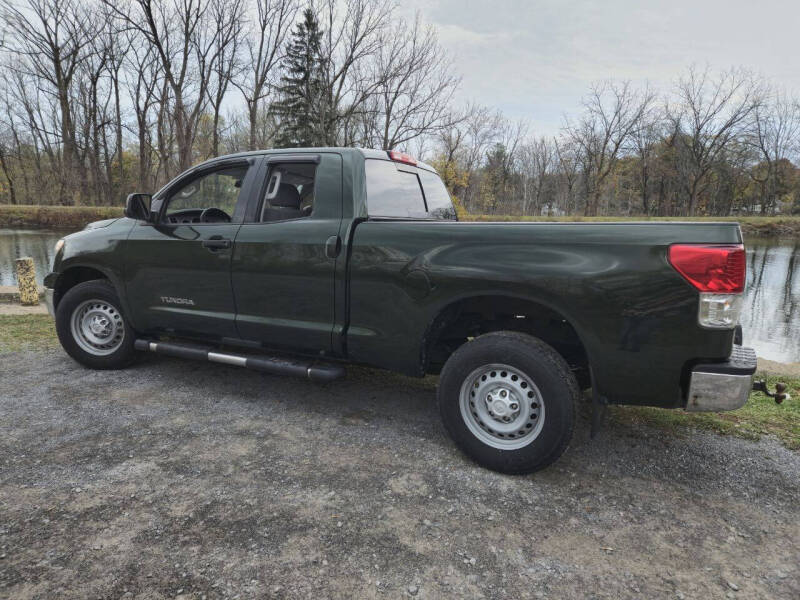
(26, 279)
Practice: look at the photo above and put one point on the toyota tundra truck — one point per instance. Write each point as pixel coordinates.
(301, 261)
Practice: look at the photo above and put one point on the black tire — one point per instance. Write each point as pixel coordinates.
(549, 374)
(102, 291)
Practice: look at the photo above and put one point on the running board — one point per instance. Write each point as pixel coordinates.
(314, 371)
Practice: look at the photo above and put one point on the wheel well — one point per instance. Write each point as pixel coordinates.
(469, 318)
(72, 277)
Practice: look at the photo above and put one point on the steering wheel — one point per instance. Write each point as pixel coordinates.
(214, 215)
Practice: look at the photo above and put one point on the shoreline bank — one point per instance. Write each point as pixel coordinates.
(54, 217)
(77, 217)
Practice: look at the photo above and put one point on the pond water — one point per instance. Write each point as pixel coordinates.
(36, 243)
(771, 316)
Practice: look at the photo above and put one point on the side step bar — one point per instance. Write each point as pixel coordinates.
(314, 371)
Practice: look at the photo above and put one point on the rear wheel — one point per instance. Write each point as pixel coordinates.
(507, 399)
(92, 328)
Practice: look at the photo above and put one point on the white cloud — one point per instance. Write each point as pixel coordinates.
(535, 59)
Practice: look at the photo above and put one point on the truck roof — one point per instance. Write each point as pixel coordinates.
(370, 153)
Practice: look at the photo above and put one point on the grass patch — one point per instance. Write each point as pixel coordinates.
(760, 416)
(27, 332)
(55, 217)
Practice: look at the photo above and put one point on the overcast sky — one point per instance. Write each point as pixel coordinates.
(535, 59)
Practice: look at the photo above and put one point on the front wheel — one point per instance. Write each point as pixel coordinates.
(92, 328)
(507, 399)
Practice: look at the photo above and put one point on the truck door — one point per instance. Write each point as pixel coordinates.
(177, 270)
(286, 251)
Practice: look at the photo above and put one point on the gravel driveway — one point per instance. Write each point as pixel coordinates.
(194, 480)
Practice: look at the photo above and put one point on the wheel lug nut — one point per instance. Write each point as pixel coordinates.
(503, 394)
(513, 406)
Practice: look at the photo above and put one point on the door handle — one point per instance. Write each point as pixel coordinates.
(333, 246)
(216, 242)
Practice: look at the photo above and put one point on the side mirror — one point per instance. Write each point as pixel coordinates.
(137, 206)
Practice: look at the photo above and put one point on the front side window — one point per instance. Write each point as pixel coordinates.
(209, 198)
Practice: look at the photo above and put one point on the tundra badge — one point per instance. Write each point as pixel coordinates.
(171, 300)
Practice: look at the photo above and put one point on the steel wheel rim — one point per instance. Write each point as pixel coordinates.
(97, 327)
(502, 406)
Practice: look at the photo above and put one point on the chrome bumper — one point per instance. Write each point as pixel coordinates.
(48, 300)
(722, 386)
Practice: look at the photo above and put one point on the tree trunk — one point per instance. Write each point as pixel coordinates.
(215, 134)
(118, 124)
(252, 114)
(592, 202)
(11, 191)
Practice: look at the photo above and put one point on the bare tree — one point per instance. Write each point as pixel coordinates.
(49, 39)
(611, 112)
(647, 133)
(774, 133)
(187, 50)
(536, 159)
(415, 87)
(263, 45)
(708, 113)
(143, 77)
(352, 35)
(226, 21)
(482, 127)
(568, 158)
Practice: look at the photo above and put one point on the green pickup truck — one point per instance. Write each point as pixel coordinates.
(299, 261)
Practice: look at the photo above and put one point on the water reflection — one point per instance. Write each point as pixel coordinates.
(770, 319)
(15, 243)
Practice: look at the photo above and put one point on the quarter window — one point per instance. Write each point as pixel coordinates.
(440, 205)
(392, 192)
(406, 192)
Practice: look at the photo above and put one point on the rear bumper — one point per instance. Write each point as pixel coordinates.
(722, 386)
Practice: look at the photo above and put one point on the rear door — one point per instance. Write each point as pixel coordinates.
(177, 270)
(286, 253)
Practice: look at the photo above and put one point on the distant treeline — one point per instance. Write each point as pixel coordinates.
(104, 97)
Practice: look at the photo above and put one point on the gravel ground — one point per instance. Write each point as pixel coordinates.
(193, 480)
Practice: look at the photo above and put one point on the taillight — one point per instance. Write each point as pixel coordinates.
(402, 157)
(718, 272)
(711, 268)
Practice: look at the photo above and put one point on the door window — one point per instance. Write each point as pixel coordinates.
(209, 198)
(290, 192)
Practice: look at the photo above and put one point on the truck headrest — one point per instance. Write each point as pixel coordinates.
(287, 197)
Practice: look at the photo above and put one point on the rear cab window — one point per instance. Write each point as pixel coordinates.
(401, 191)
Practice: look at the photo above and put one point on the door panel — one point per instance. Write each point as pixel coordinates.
(176, 284)
(177, 272)
(282, 275)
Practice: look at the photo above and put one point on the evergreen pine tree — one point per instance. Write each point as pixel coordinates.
(301, 86)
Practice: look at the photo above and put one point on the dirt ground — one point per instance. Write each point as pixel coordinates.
(18, 309)
(192, 480)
